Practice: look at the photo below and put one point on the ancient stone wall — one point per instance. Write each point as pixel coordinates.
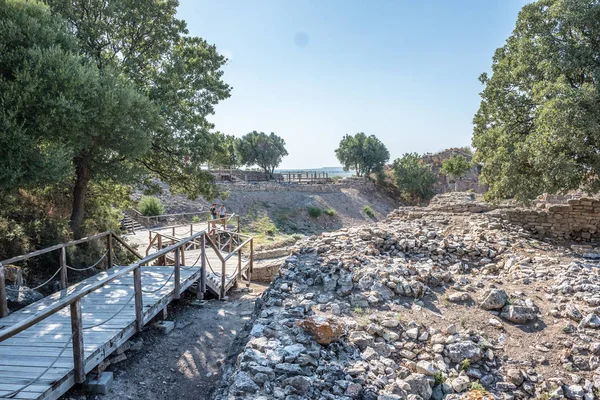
(577, 219)
(295, 187)
(572, 217)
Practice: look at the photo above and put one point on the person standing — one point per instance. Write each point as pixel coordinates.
(222, 211)
(213, 211)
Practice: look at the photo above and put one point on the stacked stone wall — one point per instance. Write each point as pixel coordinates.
(299, 187)
(577, 219)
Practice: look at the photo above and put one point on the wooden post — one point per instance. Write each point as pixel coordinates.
(251, 262)
(239, 274)
(3, 300)
(223, 271)
(202, 282)
(230, 242)
(177, 292)
(159, 244)
(63, 268)
(183, 255)
(149, 236)
(191, 229)
(173, 235)
(238, 224)
(109, 251)
(139, 306)
(78, 349)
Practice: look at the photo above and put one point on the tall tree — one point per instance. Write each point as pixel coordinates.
(455, 167)
(415, 180)
(364, 154)
(258, 148)
(85, 122)
(538, 126)
(179, 73)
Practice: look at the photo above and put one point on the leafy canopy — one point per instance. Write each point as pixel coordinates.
(258, 148)
(361, 153)
(62, 116)
(538, 126)
(456, 166)
(415, 180)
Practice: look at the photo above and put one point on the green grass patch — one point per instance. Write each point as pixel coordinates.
(369, 211)
(329, 212)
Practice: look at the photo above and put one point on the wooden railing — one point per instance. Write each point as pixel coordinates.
(73, 300)
(244, 246)
(62, 255)
(153, 221)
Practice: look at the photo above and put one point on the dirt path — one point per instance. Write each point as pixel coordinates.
(186, 363)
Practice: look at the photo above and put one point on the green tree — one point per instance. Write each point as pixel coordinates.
(258, 148)
(415, 180)
(179, 73)
(86, 123)
(455, 167)
(538, 126)
(226, 156)
(361, 153)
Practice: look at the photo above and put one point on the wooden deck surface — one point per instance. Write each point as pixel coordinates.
(108, 320)
(44, 351)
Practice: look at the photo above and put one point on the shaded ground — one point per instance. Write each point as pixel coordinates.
(186, 363)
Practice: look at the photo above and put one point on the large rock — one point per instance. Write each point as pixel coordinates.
(21, 296)
(419, 385)
(457, 352)
(519, 313)
(325, 330)
(494, 299)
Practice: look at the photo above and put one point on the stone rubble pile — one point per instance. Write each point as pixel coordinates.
(509, 316)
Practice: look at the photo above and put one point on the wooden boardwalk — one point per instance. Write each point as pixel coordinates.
(39, 362)
(109, 320)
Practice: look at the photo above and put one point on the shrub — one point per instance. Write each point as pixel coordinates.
(466, 364)
(477, 387)
(195, 219)
(330, 212)
(439, 378)
(369, 211)
(314, 212)
(151, 206)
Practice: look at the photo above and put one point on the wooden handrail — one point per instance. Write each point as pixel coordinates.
(75, 296)
(244, 243)
(127, 246)
(52, 248)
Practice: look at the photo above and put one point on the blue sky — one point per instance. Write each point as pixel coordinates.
(312, 71)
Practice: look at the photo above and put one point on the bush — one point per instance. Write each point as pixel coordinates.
(330, 212)
(369, 211)
(414, 179)
(314, 212)
(151, 206)
(195, 219)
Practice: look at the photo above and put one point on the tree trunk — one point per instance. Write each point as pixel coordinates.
(81, 182)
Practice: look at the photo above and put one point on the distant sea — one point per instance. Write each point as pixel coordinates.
(332, 171)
